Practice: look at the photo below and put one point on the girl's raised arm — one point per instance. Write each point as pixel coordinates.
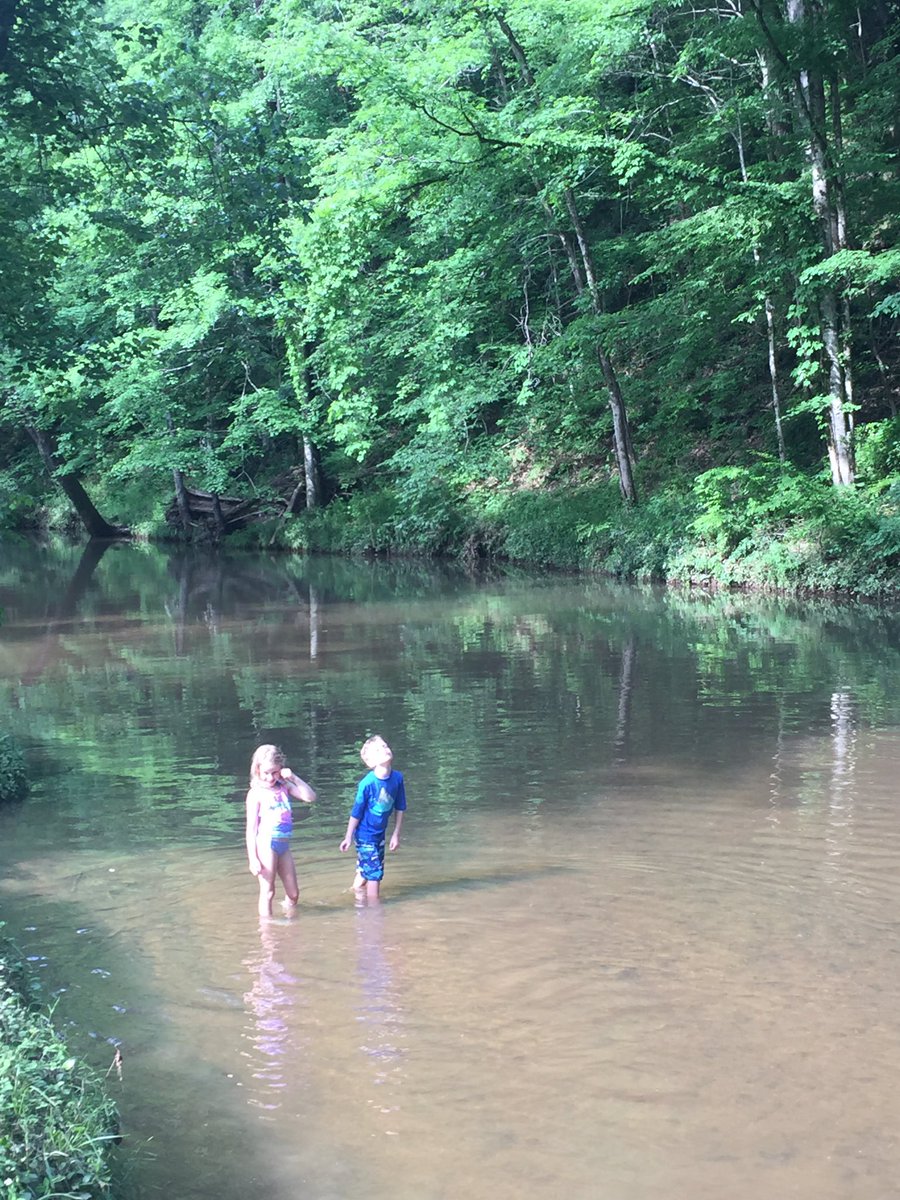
(298, 787)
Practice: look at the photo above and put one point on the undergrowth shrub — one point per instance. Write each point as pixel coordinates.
(556, 528)
(13, 776)
(364, 523)
(57, 1126)
(642, 541)
(771, 526)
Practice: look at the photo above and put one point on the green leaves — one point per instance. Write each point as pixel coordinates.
(239, 228)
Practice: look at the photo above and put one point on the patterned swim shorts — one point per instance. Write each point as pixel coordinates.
(370, 860)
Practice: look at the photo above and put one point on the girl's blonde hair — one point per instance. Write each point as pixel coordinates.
(268, 756)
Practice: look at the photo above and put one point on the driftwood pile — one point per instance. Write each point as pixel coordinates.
(222, 514)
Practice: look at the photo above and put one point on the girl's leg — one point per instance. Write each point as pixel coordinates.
(287, 873)
(266, 879)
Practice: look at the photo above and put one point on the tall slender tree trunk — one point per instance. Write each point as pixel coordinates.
(298, 356)
(621, 428)
(772, 355)
(584, 274)
(827, 201)
(773, 376)
(310, 474)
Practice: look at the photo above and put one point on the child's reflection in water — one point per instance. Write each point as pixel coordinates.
(380, 1013)
(273, 992)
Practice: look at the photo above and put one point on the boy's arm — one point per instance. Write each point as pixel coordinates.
(352, 826)
(398, 821)
(298, 787)
(252, 805)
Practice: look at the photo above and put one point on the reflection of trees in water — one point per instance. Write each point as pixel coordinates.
(380, 1011)
(272, 994)
(63, 608)
(626, 679)
(504, 668)
(841, 792)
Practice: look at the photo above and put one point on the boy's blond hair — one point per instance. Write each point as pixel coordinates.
(367, 746)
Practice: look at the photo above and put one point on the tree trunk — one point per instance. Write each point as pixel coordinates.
(181, 499)
(773, 377)
(772, 356)
(840, 450)
(828, 206)
(95, 525)
(298, 355)
(621, 430)
(310, 474)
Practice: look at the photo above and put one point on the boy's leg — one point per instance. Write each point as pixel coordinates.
(287, 873)
(359, 879)
(374, 872)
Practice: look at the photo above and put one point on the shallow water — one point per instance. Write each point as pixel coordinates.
(640, 939)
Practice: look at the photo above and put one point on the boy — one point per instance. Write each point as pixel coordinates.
(379, 794)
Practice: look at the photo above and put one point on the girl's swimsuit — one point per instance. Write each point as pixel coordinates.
(275, 820)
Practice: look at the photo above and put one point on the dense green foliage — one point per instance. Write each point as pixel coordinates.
(574, 281)
(56, 1124)
(13, 777)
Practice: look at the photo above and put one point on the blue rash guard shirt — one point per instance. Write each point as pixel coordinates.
(375, 800)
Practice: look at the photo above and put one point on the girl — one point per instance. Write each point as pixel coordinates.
(269, 825)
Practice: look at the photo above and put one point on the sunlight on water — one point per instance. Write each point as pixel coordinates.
(640, 939)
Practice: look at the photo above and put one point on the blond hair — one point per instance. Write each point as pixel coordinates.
(265, 755)
(367, 745)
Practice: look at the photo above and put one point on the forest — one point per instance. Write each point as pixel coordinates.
(590, 284)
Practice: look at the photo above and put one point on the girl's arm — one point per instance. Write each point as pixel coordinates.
(352, 825)
(252, 805)
(298, 787)
(398, 821)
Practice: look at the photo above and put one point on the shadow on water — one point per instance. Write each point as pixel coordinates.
(404, 892)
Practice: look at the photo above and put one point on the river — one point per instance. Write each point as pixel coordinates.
(639, 942)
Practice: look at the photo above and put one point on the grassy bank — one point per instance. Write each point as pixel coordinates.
(57, 1125)
(765, 527)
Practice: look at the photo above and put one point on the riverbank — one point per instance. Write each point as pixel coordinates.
(57, 1126)
(766, 528)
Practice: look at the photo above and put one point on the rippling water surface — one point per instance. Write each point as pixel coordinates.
(640, 940)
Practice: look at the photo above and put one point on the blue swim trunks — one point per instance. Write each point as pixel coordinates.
(370, 860)
(280, 845)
